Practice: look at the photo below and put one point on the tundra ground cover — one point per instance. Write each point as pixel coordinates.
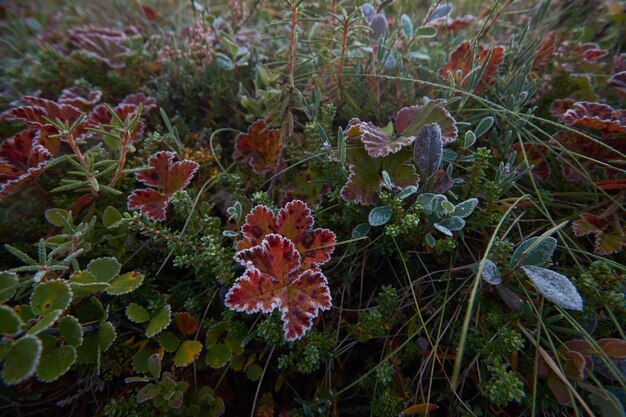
(281, 208)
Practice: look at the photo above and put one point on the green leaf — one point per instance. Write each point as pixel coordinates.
(21, 361)
(218, 356)
(51, 295)
(379, 215)
(538, 255)
(453, 223)
(148, 392)
(254, 372)
(407, 192)
(83, 283)
(104, 269)
(10, 323)
(407, 26)
(187, 353)
(125, 283)
(426, 32)
(465, 208)
(71, 331)
(55, 363)
(88, 351)
(159, 321)
(491, 273)
(8, 285)
(47, 320)
(25, 312)
(168, 341)
(140, 360)
(443, 229)
(153, 364)
(360, 230)
(58, 217)
(111, 217)
(483, 126)
(137, 313)
(106, 336)
(469, 140)
(555, 287)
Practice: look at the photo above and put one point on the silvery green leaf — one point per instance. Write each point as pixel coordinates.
(430, 240)
(483, 126)
(407, 192)
(440, 11)
(426, 201)
(555, 287)
(491, 273)
(407, 25)
(428, 149)
(537, 256)
(465, 208)
(438, 205)
(469, 139)
(453, 223)
(379, 215)
(360, 230)
(442, 229)
(387, 180)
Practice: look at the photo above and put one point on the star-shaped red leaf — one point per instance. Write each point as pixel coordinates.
(274, 279)
(295, 222)
(165, 175)
(105, 45)
(462, 59)
(259, 147)
(21, 159)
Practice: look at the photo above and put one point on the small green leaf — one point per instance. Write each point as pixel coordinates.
(168, 341)
(147, 393)
(425, 32)
(104, 269)
(71, 331)
(57, 217)
(10, 323)
(106, 336)
(465, 208)
(47, 320)
(125, 283)
(111, 217)
(140, 360)
(8, 285)
(555, 287)
(254, 372)
(538, 255)
(407, 26)
(218, 356)
(430, 240)
(360, 230)
(442, 229)
(159, 321)
(51, 295)
(491, 273)
(21, 361)
(453, 223)
(379, 215)
(407, 192)
(55, 363)
(447, 206)
(137, 313)
(483, 126)
(187, 353)
(469, 140)
(154, 365)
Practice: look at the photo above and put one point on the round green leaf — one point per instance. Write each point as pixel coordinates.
(55, 363)
(21, 361)
(254, 372)
(46, 321)
(87, 352)
(25, 312)
(137, 313)
(125, 283)
(360, 230)
(465, 208)
(8, 285)
(453, 223)
(104, 269)
(538, 255)
(71, 331)
(106, 335)
(491, 273)
(154, 365)
(425, 32)
(51, 295)
(168, 341)
(159, 321)
(483, 126)
(218, 356)
(111, 217)
(187, 353)
(10, 323)
(379, 215)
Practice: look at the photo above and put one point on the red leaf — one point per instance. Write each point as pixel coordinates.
(618, 81)
(148, 103)
(273, 279)
(163, 174)
(101, 116)
(453, 24)
(21, 160)
(591, 52)
(409, 120)
(461, 59)
(596, 116)
(614, 348)
(259, 147)
(186, 323)
(589, 224)
(80, 97)
(105, 45)
(295, 222)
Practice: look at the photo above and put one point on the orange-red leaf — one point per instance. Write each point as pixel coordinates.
(462, 60)
(186, 323)
(259, 147)
(420, 408)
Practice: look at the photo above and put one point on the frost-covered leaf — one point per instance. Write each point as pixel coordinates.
(443, 229)
(153, 365)
(10, 322)
(8, 285)
(104, 269)
(537, 256)
(159, 321)
(148, 392)
(379, 215)
(21, 361)
(410, 120)
(377, 142)
(295, 222)
(71, 331)
(273, 279)
(125, 283)
(165, 175)
(484, 125)
(426, 32)
(80, 97)
(453, 223)
(104, 45)
(55, 363)
(260, 148)
(360, 230)
(555, 287)
(596, 116)
(442, 10)
(491, 273)
(51, 295)
(137, 313)
(187, 353)
(22, 159)
(407, 25)
(465, 208)
(407, 192)
(461, 63)
(428, 149)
